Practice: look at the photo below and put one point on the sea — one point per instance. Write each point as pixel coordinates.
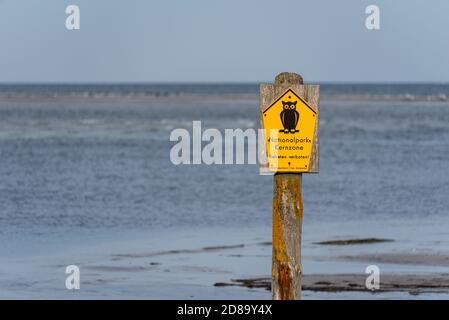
(85, 175)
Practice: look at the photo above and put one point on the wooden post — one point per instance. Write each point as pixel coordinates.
(290, 119)
(287, 225)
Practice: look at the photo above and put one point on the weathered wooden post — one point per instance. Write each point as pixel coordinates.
(290, 119)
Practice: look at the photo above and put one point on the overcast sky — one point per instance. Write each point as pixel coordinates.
(223, 41)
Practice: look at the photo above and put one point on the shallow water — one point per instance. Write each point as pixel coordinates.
(99, 167)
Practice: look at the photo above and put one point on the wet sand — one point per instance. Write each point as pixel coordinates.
(441, 260)
(222, 263)
(413, 284)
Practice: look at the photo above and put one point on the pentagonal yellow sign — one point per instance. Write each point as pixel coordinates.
(289, 124)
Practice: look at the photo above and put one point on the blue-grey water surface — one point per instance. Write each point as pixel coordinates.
(84, 162)
(94, 160)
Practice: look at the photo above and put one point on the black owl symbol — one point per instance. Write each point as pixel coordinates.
(289, 117)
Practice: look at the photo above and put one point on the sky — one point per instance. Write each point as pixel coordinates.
(162, 41)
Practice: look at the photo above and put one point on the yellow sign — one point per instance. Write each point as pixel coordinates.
(289, 124)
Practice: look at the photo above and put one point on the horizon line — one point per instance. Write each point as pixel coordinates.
(78, 83)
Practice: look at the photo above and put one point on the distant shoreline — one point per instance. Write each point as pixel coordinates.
(329, 91)
(104, 96)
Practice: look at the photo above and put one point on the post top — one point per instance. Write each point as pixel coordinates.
(288, 78)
